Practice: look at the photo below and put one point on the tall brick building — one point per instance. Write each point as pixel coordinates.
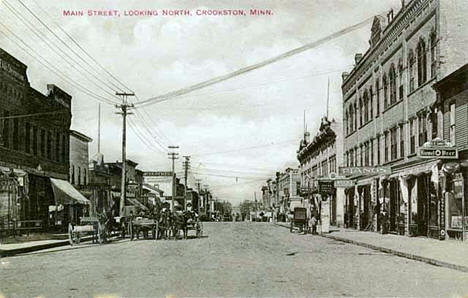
(34, 140)
(390, 110)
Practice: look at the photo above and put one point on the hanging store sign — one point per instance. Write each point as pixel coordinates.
(438, 148)
(344, 183)
(326, 187)
(353, 171)
(160, 173)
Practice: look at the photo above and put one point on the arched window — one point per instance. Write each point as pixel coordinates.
(433, 54)
(392, 77)
(400, 80)
(385, 90)
(422, 62)
(351, 118)
(411, 61)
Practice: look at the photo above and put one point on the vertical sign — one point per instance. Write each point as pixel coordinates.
(325, 216)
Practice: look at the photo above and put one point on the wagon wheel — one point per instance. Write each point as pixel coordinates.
(70, 234)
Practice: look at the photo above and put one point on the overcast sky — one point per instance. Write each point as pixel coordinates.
(248, 127)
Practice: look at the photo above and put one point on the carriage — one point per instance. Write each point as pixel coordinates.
(299, 220)
(192, 222)
(88, 226)
(144, 225)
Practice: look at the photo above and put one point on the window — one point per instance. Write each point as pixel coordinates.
(366, 107)
(402, 141)
(422, 130)
(378, 150)
(434, 125)
(386, 141)
(57, 147)
(371, 104)
(35, 141)
(27, 139)
(412, 136)
(332, 164)
(79, 176)
(400, 81)
(361, 153)
(347, 123)
(452, 123)
(64, 149)
(351, 158)
(43, 142)
(49, 145)
(392, 76)
(72, 175)
(433, 54)
(366, 154)
(355, 117)
(15, 134)
(411, 61)
(372, 152)
(385, 89)
(393, 143)
(377, 98)
(6, 129)
(361, 120)
(422, 63)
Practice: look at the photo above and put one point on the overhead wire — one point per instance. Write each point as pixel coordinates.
(176, 93)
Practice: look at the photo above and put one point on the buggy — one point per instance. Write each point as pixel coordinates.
(299, 220)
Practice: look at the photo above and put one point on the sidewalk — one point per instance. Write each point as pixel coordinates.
(7, 250)
(448, 253)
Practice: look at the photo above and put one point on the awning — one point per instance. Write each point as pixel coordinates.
(66, 194)
(136, 203)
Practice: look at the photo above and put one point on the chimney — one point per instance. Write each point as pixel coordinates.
(357, 58)
(344, 76)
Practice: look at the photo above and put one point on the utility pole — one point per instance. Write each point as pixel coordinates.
(256, 206)
(124, 107)
(186, 165)
(173, 156)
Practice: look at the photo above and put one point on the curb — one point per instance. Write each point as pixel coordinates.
(22, 250)
(396, 252)
(401, 254)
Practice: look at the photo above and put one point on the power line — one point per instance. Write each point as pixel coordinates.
(245, 148)
(247, 69)
(56, 49)
(51, 67)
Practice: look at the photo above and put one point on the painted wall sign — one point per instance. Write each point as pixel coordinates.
(160, 173)
(352, 171)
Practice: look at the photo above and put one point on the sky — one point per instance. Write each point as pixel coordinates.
(238, 132)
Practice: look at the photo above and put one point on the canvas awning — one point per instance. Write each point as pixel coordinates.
(66, 194)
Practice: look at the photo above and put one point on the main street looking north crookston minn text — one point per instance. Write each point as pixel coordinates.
(205, 150)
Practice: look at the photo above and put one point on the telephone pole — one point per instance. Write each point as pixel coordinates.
(124, 107)
(173, 156)
(186, 165)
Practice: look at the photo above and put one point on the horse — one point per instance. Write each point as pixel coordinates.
(179, 222)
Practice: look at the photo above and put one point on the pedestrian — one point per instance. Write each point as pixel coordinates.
(313, 224)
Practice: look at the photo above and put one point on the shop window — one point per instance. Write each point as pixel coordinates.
(371, 152)
(434, 123)
(366, 107)
(455, 204)
(27, 139)
(72, 175)
(6, 129)
(422, 62)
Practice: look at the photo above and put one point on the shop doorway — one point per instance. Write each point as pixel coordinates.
(394, 212)
(423, 198)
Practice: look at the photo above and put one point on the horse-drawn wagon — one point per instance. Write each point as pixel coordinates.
(87, 226)
(299, 219)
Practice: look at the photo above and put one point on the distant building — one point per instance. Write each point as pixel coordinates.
(320, 158)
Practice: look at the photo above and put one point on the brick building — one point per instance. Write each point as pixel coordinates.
(34, 143)
(389, 113)
(319, 158)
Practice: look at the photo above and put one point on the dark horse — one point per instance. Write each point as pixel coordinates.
(179, 222)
